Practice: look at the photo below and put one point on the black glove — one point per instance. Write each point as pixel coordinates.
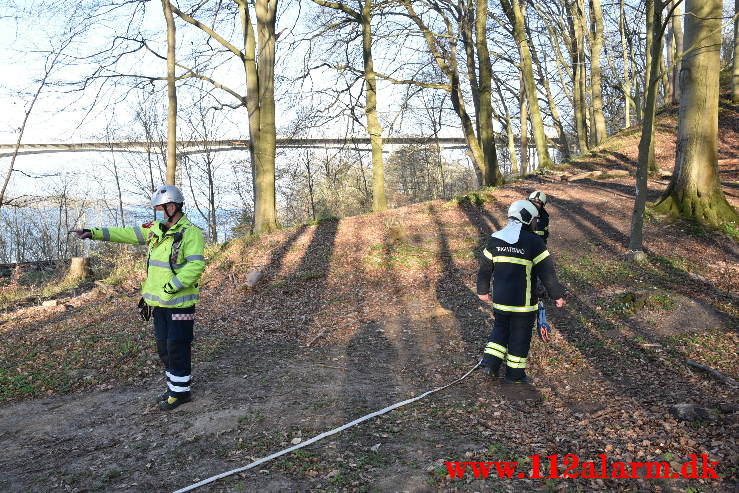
(144, 310)
(170, 289)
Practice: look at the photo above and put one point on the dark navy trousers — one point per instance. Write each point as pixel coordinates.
(173, 331)
(510, 341)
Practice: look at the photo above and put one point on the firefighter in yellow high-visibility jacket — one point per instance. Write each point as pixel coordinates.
(170, 291)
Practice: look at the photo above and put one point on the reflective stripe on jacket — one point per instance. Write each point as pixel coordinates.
(188, 264)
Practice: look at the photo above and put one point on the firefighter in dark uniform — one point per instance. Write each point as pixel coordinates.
(517, 259)
(539, 199)
(170, 291)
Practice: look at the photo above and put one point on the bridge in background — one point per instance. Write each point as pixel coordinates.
(186, 147)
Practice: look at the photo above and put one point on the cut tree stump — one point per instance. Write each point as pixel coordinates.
(79, 268)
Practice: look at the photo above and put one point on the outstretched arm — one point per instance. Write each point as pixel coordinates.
(135, 235)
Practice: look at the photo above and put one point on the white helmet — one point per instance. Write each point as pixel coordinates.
(523, 210)
(540, 196)
(166, 194)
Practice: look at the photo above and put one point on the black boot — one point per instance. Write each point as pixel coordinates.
(523, 380)
(489, 368)
(174, 402)
(162, 397)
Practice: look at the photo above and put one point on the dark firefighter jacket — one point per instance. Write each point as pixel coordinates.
(515, 270)
(542, 224)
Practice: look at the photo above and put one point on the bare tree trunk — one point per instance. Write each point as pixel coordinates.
(664, 81)
(735, 72)
(259, 73)
(509, 133)
(466, 21)
(648, 50)
(677, 31)
(363, 18)
(654, 45)
(637, 85)
(524, 131)
(474, 16)
(646, 143)
(577, 53)
(486, 132)
(561, 67)
(627, 65)
(670, 59)
(117, 178)
(260, 103)
(544, 80)
(695, 188)
(596, 97)
(212, 204)
(311, 193)
(379, 201)
(171, 94)
(515, 15)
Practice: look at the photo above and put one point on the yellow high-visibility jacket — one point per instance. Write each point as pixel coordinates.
(178, 270)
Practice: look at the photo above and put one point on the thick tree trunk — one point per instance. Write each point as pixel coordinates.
(475, 151)
(260, 103)
(515, 15)
(466, 23)
(379, 201)
(695, 188)
(635, 80)
(486, 133)
(646, 143)
(596, 93)
(654, 46)
(171, 94)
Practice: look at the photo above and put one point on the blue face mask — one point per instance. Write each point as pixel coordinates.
(159, 216)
